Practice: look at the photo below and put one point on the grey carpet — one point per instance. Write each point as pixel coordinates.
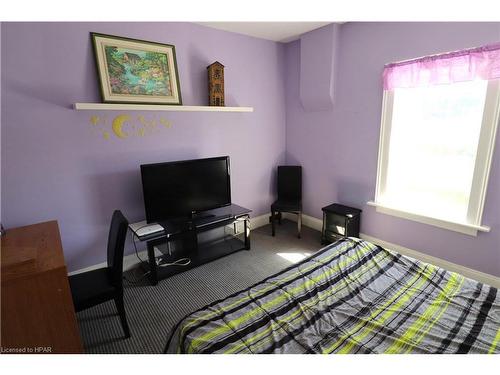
(152, 311)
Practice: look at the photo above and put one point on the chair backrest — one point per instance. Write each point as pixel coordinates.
(290, 182)
(116, 245)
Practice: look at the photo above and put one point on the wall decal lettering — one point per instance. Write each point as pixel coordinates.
(124, 126)
(94, 120)
(165, 123)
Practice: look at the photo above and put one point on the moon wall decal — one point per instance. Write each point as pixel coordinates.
(118, 125)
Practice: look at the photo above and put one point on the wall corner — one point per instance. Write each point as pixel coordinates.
(318, 66)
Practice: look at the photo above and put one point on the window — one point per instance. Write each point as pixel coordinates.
(436, 146)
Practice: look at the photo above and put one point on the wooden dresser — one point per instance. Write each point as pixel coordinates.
(37, 309)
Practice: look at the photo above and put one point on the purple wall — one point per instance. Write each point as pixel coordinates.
(338, 148)
(57, 165)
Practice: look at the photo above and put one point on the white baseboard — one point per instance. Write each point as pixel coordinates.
(307, 220)
(315, 223)
(130, 261)
(259, 221)
(485, 278)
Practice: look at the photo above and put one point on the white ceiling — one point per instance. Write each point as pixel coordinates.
(276, 31)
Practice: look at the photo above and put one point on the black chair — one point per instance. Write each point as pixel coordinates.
(289, 195)
(104, 284)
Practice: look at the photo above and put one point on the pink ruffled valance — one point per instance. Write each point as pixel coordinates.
(481, 63)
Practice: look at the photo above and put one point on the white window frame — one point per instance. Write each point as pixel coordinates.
(481, 173)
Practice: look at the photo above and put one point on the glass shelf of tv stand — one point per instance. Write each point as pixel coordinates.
(198, 252)
(205, 253)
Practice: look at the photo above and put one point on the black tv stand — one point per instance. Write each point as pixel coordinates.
(199, 215)
(187, 231)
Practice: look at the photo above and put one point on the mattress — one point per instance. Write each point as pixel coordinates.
(349, 297)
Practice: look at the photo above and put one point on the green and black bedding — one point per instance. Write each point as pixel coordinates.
(349, 297)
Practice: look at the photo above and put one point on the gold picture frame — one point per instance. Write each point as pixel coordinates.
(136, 71)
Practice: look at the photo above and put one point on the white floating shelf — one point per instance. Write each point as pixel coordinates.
(156, 107)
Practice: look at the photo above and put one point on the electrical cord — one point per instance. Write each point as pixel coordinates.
(160, 262)
(179, 262)
(137, 279)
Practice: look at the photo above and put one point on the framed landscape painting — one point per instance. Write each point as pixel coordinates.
(136, 71)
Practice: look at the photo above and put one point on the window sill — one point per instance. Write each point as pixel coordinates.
(465, 228)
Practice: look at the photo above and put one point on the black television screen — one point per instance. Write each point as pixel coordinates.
(182, 188)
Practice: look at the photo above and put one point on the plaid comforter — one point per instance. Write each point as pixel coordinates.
(349, 297)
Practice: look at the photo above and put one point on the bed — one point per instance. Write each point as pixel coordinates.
(349, 297)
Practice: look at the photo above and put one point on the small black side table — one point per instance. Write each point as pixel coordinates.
(339, 221)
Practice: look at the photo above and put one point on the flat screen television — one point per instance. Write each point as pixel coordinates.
(184, 188)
